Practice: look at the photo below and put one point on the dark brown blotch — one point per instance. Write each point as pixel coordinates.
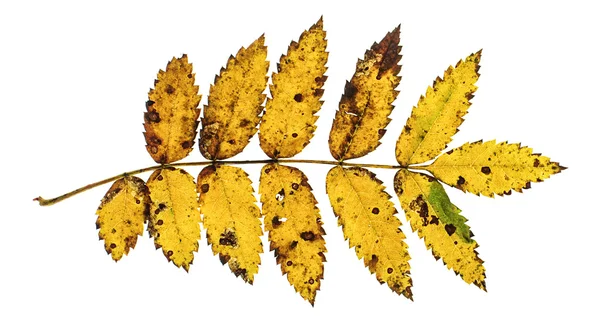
(375, 210)
(224, 258)
(294, 135)
(228, 238)
(486, 170)
(205, 188)
(295, 186)
(450, 229)
(298, 97)
(308, 235)
(186, 144)
(293, 244)
(460, 181)
(170, 89)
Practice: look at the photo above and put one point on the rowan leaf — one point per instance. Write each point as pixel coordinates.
(363, 111)
(231, 218)
(367, 216)
(121, 215)
(439, 113)
(488, 168)
(439, 223)
(171, 117)
(174, 217)
(288, 123)
(294, 225)
(234, 103)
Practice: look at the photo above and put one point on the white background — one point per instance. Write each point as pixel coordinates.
(73, 82)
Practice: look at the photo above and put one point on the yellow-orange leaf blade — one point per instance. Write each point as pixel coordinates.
(439, 223)
(294, 225)
(231, 218)
(121, 215)
(174, 217)
(367, 216)
(439, 113)
(234, 103)
(171, 117)
(366, 104)
(289, 120)
(489, 168)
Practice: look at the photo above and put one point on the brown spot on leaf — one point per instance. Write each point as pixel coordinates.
(375, 210)
(434, 220)
(307, 235)
(294, 135)
(169, 253)
(311, 281)
(486, 170)
(154, 149)
(536, 162)
(390, 270)
(224, 258)
(289, 263)
(231, 142)
(275, 221)
(460, 181)
(113, 246)
(293, 244)
(152, 117)
(228, 238)
(298, 97)
(159, 222)
(159, 178)
(244, 123)
(295, 186)
(204, 188)
(170, 89)
(186, 144)
(450, 229)
(527, 185)
(373, 261)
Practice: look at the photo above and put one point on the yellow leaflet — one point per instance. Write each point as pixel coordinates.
(294, 225)
(368, 219)
(121, 215)
(439, 223)
(172, 113)
(174, 216)
(488, 168)
(366, 104)
(231, 218)
(439, 114)
(289, 120)
(234, 103)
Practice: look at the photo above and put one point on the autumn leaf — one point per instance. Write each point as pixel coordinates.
(294, 225)
(363, 112)
(289, 120)
(121, 215)
(439, 223)
(174, 217)
(234, 103)
(439, 113)
(222, 198)
(367, 216)
(171, 119)
(489, 168)
(231, 218)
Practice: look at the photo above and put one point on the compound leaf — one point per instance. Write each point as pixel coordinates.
(439, 113)
(289, 120)
(368, 219)
(231, 218)
(294, 225)
(439, 223)
(363, 111)
(171, 117)
(121, 215)
(174, 217)
(489, 168)
(234, 103)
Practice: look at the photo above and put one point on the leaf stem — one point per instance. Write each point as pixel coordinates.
(47, 202)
